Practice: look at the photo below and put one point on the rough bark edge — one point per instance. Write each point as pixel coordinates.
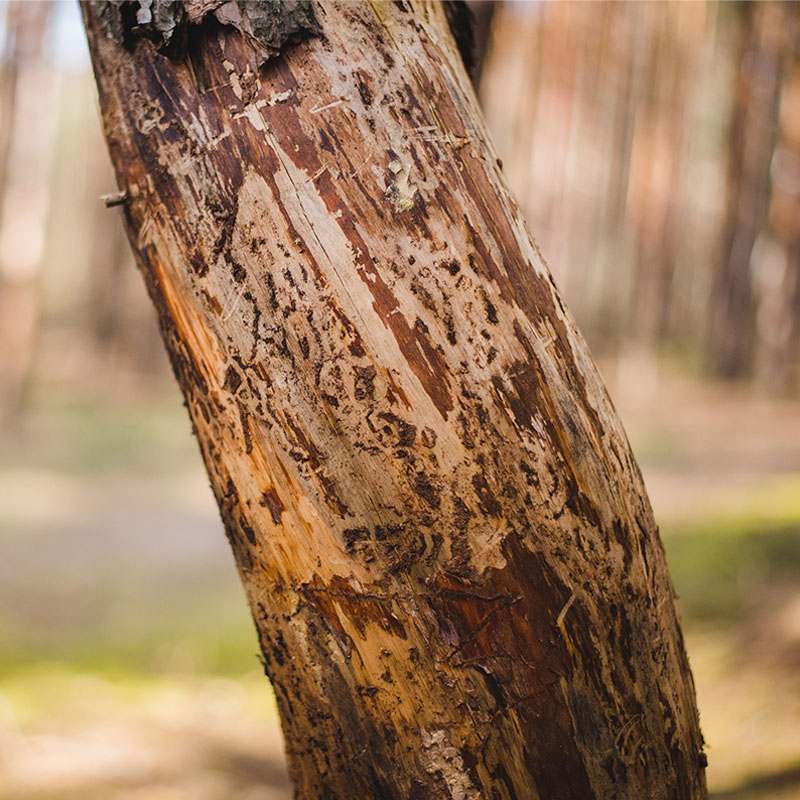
(268, 24)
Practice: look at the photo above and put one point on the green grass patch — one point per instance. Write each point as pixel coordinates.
(727, 559)
(91, 435)
(187, 632)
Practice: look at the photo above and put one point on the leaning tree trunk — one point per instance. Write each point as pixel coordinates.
(453, 567)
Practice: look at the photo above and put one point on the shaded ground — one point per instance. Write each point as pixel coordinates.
(128, 662)
(86, 737)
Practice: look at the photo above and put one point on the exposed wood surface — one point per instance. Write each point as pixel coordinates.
(443, 535)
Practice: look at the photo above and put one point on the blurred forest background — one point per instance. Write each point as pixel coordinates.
(655, 149)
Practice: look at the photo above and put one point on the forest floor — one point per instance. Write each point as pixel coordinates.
(128, 666)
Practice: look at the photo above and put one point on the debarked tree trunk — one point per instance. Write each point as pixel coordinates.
(445, 541)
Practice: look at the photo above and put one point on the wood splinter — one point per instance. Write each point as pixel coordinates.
(115, 198)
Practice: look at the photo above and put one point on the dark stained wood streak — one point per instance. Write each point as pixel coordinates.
(416, 347)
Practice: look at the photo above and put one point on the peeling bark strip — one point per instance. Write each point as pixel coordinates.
(268, 24)
(445, 541)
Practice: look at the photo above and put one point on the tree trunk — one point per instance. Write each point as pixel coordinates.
(752, 138)
(27, 137)
(445, 541)
(776, 276)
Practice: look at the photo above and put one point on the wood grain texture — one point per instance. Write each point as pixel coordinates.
(445, 541)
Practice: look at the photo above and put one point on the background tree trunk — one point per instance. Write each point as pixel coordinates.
(753, 130)
(445, 541)
(27, 137)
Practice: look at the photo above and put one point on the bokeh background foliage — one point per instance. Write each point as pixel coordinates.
(655, 150)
